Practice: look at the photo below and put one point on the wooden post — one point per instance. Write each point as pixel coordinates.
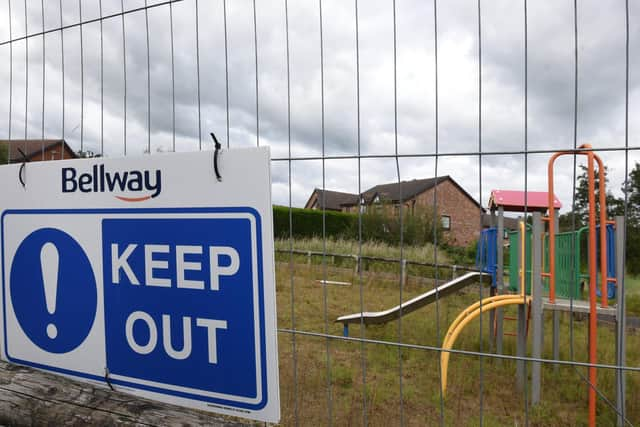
(403, 272)
(31, 397)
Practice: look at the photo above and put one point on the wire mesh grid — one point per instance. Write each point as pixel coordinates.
(349, 96)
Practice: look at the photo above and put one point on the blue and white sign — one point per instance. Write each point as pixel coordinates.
(165, 288)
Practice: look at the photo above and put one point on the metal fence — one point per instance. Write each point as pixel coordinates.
(349, 95)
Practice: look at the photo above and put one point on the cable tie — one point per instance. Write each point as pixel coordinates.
(25, 159)
(215, 156)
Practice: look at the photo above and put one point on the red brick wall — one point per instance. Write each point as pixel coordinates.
(53, 153)
(464, 213)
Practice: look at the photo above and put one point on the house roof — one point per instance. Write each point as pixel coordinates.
(31, 147)
(387, 192)
(332, 200)
(509, 223)
(514, 201)
(410, 189)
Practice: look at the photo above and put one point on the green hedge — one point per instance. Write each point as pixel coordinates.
(376, 225)
(308, 223)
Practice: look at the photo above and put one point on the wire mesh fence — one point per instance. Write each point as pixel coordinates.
(369, 100)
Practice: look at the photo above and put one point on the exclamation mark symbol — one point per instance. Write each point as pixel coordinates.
(49, 261)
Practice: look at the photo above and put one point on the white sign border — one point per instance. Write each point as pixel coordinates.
(255, 219)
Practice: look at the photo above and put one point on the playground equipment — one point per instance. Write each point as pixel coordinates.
(379, 317)
(569, 256)
(474, 311)
(554, 261)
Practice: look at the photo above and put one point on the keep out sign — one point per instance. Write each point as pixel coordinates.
(172, 303)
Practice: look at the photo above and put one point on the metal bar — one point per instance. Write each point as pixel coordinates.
(536, 307)
(88, 21)
(462, 352)
(452, 154)
(621, 344)
(363, 349)
(521, 341)
(294, 349)
(500, 278)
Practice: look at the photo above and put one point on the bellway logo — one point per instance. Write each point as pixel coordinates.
(100, 180)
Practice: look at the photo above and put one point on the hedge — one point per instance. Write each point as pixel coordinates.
(376, 225)
(308, 223)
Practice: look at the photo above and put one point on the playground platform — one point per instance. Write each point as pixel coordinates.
(578, 306)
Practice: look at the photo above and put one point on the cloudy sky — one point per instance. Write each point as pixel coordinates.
(161, 108)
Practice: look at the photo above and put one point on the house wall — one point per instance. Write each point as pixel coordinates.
(464, 213)
(53, 153)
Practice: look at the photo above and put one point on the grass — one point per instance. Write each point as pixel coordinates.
(424, 253)
(346, 382)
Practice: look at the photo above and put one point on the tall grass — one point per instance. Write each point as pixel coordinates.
(362, 382)
(423, 253)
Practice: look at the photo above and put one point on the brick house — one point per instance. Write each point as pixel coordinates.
(459, 212)
(37, 150)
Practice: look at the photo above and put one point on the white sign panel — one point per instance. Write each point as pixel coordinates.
(146, 273)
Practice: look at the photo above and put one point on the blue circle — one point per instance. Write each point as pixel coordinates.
(76, 296)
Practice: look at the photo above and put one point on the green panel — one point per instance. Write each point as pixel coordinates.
(514, 249)
(567, 285)
(567, 264)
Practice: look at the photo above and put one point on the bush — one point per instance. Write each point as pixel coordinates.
(465, 255)
(308, 223)
(378, 225)
(417, 228)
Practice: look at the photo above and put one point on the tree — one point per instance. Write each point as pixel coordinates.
(632, 190)
(615, 206)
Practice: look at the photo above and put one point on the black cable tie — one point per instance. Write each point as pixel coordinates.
(215, 156)
(25, 159)
(106, 378)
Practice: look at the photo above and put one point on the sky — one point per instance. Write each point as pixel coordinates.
(348, 99)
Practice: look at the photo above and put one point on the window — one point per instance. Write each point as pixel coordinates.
(446, 222)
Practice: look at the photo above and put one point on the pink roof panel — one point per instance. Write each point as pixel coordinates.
(515, 200)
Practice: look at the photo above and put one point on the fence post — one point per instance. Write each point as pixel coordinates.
(536, 306)
(500, 279)
(556, 313)
(404, 275)
(521, 341)
(621, 345)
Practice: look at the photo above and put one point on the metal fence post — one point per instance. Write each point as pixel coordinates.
(621, 345)
(536, 309)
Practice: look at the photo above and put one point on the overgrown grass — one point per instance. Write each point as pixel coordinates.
(422, 253)
(348, 382)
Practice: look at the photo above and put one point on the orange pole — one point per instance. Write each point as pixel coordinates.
(552, 224)
(592, 290)
(552, 228)
(593, 316)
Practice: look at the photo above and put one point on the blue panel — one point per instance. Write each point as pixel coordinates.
(234, 372)
(487, 253)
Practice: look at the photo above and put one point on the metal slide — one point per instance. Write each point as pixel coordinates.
(379, 317)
